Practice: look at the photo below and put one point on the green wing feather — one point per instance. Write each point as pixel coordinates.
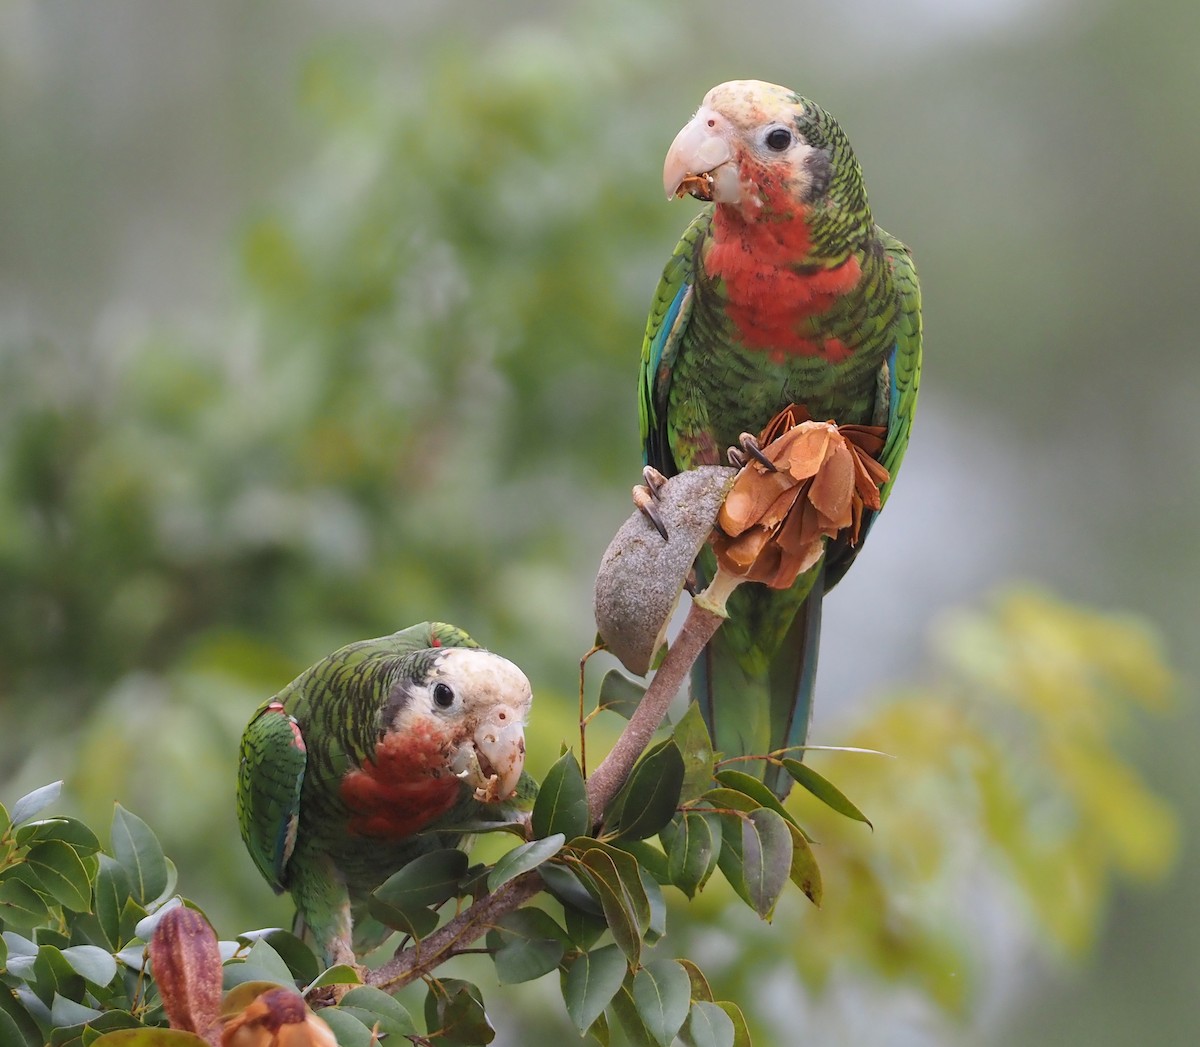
(270, 778)
(906, 369)
(668, 319)
(901, 381)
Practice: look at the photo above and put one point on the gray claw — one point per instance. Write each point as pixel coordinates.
(645, 499)
(749, 448)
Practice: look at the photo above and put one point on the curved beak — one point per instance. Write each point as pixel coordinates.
(493, 759)
(694, 161)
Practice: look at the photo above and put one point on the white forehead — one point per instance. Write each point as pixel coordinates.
(483, 676)
(751, 101)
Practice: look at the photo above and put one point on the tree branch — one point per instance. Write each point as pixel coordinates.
(468, 926)
(605, 780)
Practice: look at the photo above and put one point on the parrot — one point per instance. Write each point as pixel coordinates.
(781, 291)
(369, 759)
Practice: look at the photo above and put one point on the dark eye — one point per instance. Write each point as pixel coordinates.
(443, 695)
(779, 139)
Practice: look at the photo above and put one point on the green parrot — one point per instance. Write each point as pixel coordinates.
(350, 771)
(782, 290)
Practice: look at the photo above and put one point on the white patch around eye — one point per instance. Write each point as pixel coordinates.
(480, 679)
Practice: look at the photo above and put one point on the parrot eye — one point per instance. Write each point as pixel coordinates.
(443, 695)
(779, 139)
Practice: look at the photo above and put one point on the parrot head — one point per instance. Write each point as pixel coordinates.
(453, 719)
(759, 149)
(472, 705)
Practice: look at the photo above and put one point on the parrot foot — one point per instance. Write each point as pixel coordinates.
(748, 448)
(645, 498)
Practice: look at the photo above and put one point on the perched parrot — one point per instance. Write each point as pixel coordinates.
(782, 290)
(347, 774)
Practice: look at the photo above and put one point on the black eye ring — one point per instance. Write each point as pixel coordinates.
(779, 139)
(443, 695)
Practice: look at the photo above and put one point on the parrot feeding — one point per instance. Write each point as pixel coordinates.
(349, 772)
(782, 290)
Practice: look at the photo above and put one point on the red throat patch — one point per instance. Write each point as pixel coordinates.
(404, 786)
(767, 299)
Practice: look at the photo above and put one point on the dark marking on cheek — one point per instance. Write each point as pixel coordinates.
(820, 173)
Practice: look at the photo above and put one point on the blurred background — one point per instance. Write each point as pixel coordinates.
(320, 320)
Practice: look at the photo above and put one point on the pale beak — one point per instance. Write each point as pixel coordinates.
(694, 161)
(494, 758)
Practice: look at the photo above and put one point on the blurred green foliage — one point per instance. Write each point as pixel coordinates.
(421, 407)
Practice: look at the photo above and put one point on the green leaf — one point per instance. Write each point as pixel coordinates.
(619, 693)
(64, 1013)
(32, 1005)
(824, 790)
(20, 905)
(137, 849)
(51, 936)
(695, 746)
(741, 1031)
(652, 860)
(168, 888)
(67, 830)
(52, 974)
(347, 1028)
(392, 1016)
(94, 964)
(591, 982)
(5, 820)
(403, 901)
(416, 922)
(599, 1034)
(454, 1011)
(700, 988)
(566, 886)
(62, 875)
(707, 1025)
(133, 955)
(111, 1019)
(427, 880)
(239, 972)
(693, 843)
(648, 799)
(522, 859)
(527, 943)
(10, 1032)
(561, 805)
(662, 994)
(132, 914)
(263, 956)
(804, 871)
(616, 878)
(16, 1023)
(584, 928)
(625, 1008)
(32, 804)
(109, 891)
(300, 959)
(756, 857)
(18, 945)
(657, 925)
(339, 974)
(745, 783)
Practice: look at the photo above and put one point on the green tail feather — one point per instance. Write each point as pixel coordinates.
(754, 682)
